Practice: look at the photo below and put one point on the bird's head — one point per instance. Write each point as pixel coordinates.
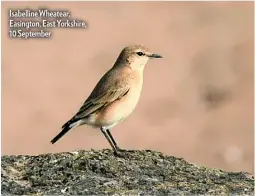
(136, 56)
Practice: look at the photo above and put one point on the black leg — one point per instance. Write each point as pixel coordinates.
(109, 133)
(113, 145)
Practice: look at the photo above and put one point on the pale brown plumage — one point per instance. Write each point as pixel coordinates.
(105, 92)
(115, 96)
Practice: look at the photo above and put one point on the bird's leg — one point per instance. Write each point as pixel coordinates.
(109, 133)
(114, 147)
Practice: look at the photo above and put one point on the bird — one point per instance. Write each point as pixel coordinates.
(115, 96)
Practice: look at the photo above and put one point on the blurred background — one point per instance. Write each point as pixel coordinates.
(197, 102)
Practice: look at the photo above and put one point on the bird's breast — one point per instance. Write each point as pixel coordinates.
(122, 108)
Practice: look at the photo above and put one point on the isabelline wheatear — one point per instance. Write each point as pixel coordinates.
(115, 96)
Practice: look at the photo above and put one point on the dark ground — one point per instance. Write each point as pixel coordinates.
(101, 173)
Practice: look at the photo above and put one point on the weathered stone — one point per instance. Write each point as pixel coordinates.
(101, 173)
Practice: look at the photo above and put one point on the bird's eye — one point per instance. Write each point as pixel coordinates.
(140, 53)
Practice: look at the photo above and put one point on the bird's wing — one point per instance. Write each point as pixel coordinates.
(92, 105)
(103, 95)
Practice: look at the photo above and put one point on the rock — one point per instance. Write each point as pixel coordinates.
(101, 173)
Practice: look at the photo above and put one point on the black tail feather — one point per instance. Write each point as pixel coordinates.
(65, 128)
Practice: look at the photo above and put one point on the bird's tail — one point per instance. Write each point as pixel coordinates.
(65, 128)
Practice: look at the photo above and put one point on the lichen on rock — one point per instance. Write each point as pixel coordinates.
(101, 173)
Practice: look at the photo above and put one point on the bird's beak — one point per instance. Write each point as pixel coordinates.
(155, 56)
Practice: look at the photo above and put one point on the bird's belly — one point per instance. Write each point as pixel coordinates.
(119, 109)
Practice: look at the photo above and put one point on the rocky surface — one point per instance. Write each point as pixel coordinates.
(101, 173)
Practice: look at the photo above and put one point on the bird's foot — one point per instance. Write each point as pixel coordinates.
(119, 149)
(119, 153)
